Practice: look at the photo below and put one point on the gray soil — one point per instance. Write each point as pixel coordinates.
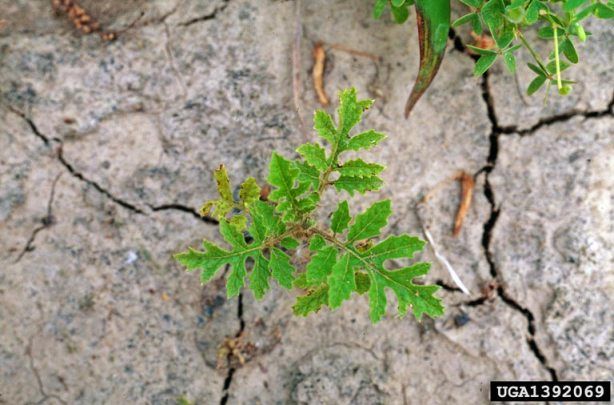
(106, 154)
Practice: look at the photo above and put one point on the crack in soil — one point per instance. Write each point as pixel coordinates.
(563, 117)
(69, 167)
(447, 287)
(489, 225)
(37, 377)
(97, 186)
(232, 370)
(206, 17)
(80, 176)
(179, 207)
(46, 222)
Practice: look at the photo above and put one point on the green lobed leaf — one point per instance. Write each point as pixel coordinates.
(363, 283)
(313, 301)
(301, 282)
(232, 236)
(221, 207)
(308, 174)
(369, 223)
(309, 203)
(358, 184)
(281, 268)
(360, 168)
(341, 218)
(249, 193)
(350, 110)
(317, 242)
(265, 223)
(419, 298)
(324, 126)
(259, 277)
(394, 247)
(223, 183)
(214, 257)
(365, 140)
(289, 243)
(236, 278)
(283, 175)
(321, 265)
(209, 262)
(315, 155)
(238, 222)
(341, 282)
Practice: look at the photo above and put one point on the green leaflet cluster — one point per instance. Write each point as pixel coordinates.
(559, 21)
(225, 206)
(347, 255)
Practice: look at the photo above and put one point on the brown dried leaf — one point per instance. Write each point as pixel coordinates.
(319, 57)
(356, 52)
(467, 185)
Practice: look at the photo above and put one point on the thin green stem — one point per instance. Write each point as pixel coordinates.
(532, 51)
(273, 241)
(557, 60)
(334, 155)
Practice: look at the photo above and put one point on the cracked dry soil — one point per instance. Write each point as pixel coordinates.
(106, 150)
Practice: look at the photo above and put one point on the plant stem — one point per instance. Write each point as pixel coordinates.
(556, 58)
(534, 54)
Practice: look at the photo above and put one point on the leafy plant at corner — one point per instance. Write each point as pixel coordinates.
(347, 256)
(559, 21)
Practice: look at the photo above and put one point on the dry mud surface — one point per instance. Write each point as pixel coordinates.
(106, 153)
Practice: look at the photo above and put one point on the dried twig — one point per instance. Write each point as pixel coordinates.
(356, 52)
(319, 65)
(467, 185)
(319, 58)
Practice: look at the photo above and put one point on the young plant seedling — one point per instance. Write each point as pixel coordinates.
(507, 21)
(348, 254)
